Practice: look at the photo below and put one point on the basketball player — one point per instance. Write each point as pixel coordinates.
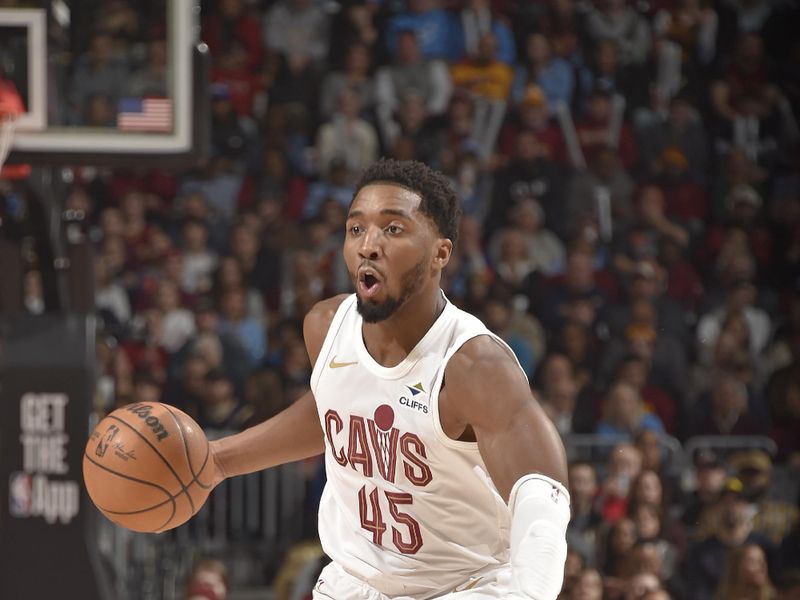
(444, 474)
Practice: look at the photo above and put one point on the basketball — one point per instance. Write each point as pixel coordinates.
(147, 467)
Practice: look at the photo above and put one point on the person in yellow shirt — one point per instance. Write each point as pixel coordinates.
(484, 75)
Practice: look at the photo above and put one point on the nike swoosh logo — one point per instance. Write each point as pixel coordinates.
(338, 365)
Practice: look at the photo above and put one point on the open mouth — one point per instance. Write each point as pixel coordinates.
(368, 283)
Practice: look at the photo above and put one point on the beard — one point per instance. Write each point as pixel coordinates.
(410, 282)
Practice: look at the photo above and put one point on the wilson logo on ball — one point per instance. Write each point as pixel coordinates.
(143, 412)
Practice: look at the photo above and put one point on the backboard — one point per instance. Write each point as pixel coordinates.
(106, 82)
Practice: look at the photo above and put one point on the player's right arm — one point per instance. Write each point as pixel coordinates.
(293, 434)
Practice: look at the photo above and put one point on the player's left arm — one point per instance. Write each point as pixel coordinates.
(486, 390)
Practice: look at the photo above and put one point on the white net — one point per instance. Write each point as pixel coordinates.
(8, 124)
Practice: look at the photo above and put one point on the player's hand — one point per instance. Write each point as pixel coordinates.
(217, 472)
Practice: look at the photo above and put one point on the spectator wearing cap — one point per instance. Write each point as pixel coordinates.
(552, 74)
(705, 559)
(646, 337)
(773, 518)
(709, 479)
(532, 114)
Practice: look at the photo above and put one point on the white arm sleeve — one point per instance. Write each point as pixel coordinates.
(540, 515)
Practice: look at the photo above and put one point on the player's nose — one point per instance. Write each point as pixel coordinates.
(370, 247)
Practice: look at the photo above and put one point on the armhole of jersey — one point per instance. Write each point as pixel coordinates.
(327, 344)
(437, 386)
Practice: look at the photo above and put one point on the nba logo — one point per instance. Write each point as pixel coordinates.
(19, 492)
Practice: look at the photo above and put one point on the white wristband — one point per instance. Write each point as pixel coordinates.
(540, 515)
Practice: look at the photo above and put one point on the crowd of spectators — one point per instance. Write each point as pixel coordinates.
(631, 227)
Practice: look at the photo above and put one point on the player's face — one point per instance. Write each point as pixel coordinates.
(388, 249)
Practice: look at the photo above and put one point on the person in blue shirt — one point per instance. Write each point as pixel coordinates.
(624, 413)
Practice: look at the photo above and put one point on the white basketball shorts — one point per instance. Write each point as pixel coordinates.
(334, 583)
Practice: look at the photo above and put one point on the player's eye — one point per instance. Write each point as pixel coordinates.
(393, 229)
(356, 230)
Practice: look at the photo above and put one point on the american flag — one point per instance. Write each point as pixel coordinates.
(145, 114)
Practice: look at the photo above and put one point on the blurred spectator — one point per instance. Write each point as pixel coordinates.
(208, 580)
(298, 30)
(634, 370)
(99, 71)
(709, 477)
(500, 317)
(347, 136)
(680, 135)
(624, 413)
(530, 174)
(232, 131)
(783, 399)
(151, 78)
(355, 76)
(624, 466)
(109, 294)
(544, 248)
(177, 322)
(705, 560)
(589, 586)
(475, 19)
(232, 23)
(745, 574)
(435, 28)
(724, 411)
(773, 518)
(246, 330)
(411, 73)
(597, 195)
(560, 396)
(619, 21)
(650, 226)
(619, 541)
(599, 130)
(219, 406)
(552, 74)
(585, 522)
(199, 261)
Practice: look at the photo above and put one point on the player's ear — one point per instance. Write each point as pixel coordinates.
(442, 252)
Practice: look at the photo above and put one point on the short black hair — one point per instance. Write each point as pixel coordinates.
(438, 200)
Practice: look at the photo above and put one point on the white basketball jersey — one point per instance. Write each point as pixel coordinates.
(406, 509)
